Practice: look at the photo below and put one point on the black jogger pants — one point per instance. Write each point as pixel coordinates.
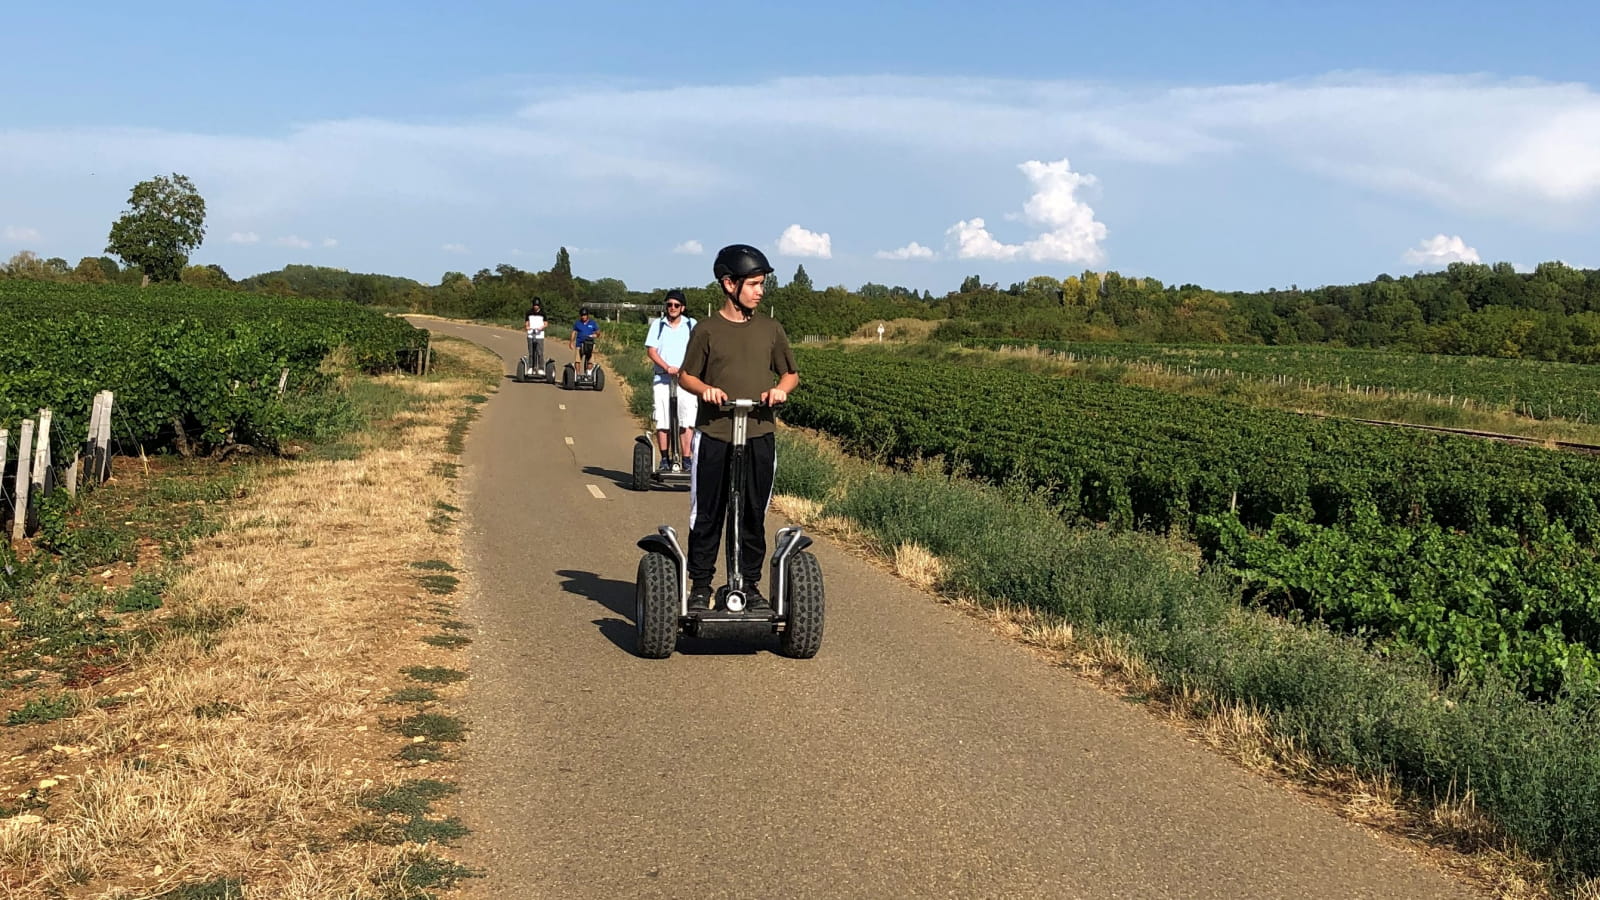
(708, 505)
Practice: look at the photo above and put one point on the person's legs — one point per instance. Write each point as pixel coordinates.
(536, 354)
(688, 409)
(588, 353)
(708, 502)
(661, 395)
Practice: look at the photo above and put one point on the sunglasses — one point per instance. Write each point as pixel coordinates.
(674, 306)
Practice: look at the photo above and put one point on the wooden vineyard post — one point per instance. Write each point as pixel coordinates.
(283, 381)
(43, 476)
(102, 467)
(5, 442)
(19, 514)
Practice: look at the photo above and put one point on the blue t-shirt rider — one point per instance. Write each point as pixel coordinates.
(584, 331)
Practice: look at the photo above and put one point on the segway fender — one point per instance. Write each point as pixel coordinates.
(665, 541)
(791, 540)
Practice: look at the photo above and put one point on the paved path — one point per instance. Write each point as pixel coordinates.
(917, 755)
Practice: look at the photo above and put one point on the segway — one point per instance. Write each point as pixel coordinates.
(661, 591)
(646, 466)
(530, 369)
(591, 377)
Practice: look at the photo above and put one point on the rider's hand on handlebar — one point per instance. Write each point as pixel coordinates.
(714, 395)
(774, 396)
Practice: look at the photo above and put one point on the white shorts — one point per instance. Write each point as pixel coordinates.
(688, 404)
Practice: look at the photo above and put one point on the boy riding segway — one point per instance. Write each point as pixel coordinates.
(732, 361)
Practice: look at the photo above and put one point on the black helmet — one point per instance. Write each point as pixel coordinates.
(740, 261)
(675, 294)
(583, 310)
(537, 304)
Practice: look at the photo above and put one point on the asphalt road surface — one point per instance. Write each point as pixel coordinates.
(917, 755)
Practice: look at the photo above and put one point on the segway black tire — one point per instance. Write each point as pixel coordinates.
(656, 606)
(599, 378)
(522, 369)
(566, 377)
(550, 371)
(801, 637)
(643, 461)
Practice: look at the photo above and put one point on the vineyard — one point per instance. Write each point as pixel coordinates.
(198, 367)
(1478, 554)
(1541, 390)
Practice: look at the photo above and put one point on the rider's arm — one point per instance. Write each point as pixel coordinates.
(655, 357)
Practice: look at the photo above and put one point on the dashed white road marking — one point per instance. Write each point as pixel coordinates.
(595, 490)
(569, 442)
(561, 405)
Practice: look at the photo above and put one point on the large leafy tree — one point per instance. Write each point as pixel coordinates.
(164, 223)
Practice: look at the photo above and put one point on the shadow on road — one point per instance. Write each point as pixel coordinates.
(621, 480)
(617, 597)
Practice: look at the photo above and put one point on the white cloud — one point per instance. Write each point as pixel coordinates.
(1441, 251)
(912, 250)
(691, 248)
(20, 233)
(973, 241)
(244, 237)
(1071, 232)
(797, 241)
(456, 248)
(330, 242)
(293, 240)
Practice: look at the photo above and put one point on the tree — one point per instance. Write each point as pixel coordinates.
(89, 271)
(971, 284)
(801, 281)
(164, 223)
(211, 276)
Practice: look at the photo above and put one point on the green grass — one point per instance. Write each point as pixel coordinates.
(447, 641)
(433, 726)
(434, 674)
(436, 565)
(215, 889)
(439, 584)
(141, 596)
(44, 708)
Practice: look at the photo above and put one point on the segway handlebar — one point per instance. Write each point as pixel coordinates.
(746, 405)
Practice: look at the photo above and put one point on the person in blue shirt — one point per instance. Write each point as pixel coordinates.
(584, 331)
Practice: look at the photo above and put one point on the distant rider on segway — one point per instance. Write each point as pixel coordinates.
(584, 332)
(534, 322)
(665, 342)
(734, 355)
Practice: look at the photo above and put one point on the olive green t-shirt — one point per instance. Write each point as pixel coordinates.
(744, 359)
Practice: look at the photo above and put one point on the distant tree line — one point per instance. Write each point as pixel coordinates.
(1551, 313)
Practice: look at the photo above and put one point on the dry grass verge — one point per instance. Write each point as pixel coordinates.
(241, 746)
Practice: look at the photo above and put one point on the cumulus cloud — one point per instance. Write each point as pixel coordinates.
(1071, 232)
(912, 250)
(457, 248)
(1440, 250)
(797, 241)
(293, 240)
(690, 248)
(330, 242)
(244, 237)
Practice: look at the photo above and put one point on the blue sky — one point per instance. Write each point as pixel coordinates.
(1238, 146)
